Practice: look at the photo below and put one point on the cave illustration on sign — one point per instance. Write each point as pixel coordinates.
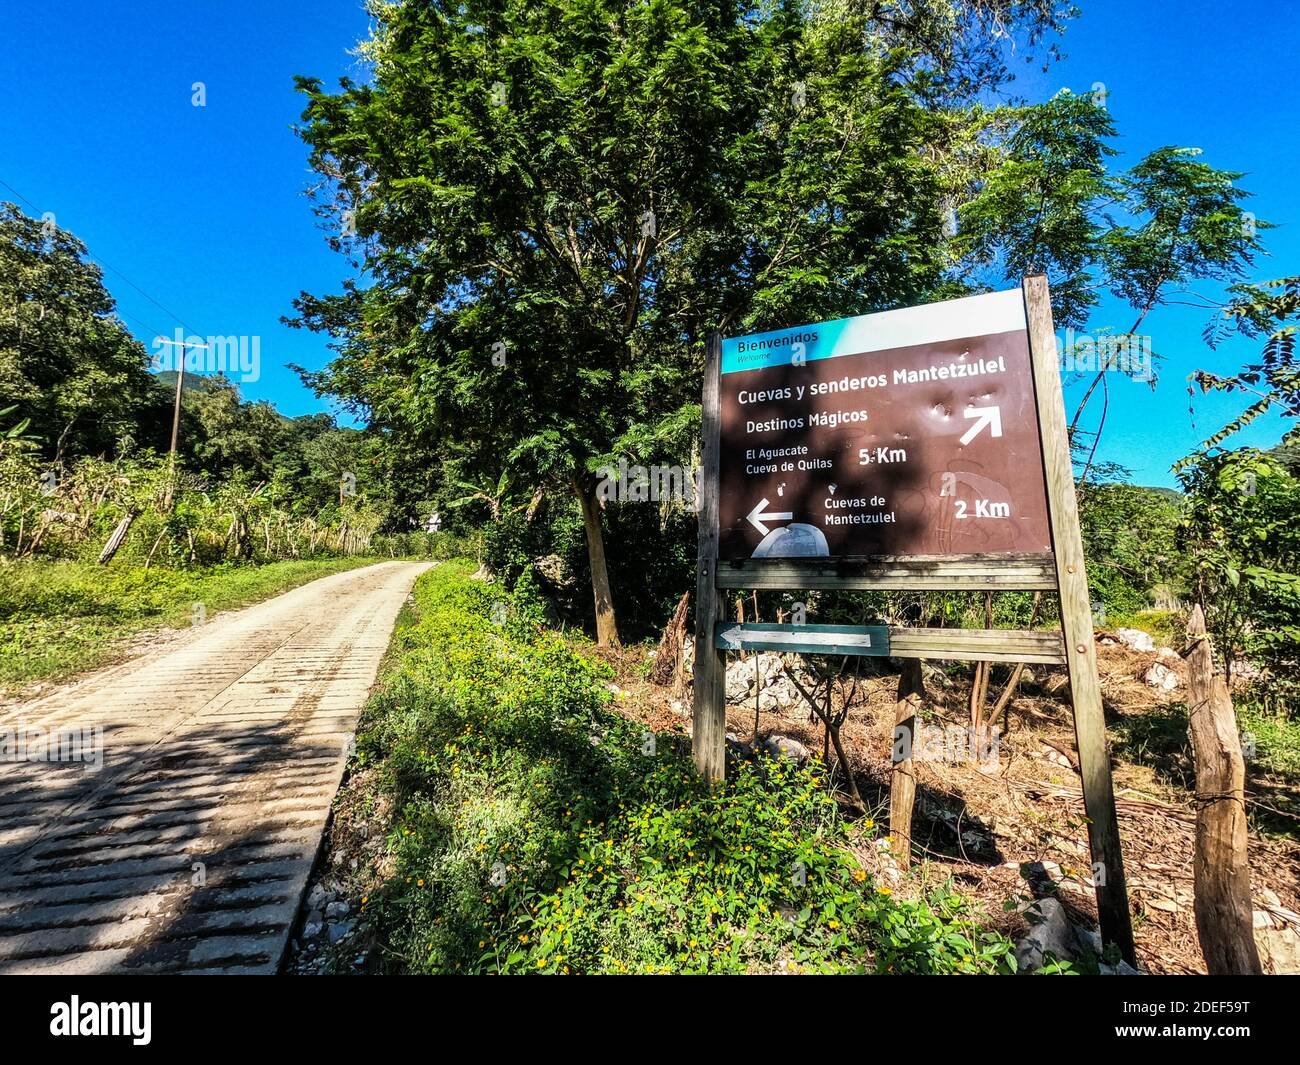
(799, 540)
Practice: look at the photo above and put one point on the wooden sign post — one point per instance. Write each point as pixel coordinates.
(1077, 628)
(923, 448)
(709, 714)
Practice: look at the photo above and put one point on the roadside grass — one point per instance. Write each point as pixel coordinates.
(1272, 770)
(532, 829)
(1166, 627)
(60, 618)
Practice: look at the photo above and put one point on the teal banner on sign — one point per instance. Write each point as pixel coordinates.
(999, 312)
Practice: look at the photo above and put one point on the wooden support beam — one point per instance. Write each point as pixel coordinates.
(902, 774)
(709, 730)
(977, 645)
(1076, 625)
(895, 641)
(999, 572)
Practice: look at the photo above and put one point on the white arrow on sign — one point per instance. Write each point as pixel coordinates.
(757, 517)
(991, 416)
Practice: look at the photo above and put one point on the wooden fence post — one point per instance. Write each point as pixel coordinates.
(1224, 915)
(709, 730)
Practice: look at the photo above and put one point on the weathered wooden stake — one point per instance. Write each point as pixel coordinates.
(1076, 625)
(669, 656)
(1224, 917)
(902, 776)
(709, 733)
(118, 538)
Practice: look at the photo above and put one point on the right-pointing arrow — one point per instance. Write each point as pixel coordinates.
(990, 416)
(757, 517)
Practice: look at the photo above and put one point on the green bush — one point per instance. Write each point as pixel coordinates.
(536, 830)
(651, 557)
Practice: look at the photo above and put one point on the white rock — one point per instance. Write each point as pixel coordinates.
(738, 747)
(769, 672)
(740, 678)
(785, 747)
(339, 930)
(1279, 950)
(1161, 677)
(1050, 932)
(1136, 639)
(1051, 754)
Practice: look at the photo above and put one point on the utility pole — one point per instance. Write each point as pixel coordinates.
(176, 413)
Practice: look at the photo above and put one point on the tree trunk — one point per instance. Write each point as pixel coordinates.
(1224, 917)
(34, 544)
(1016, 673)
(153, 550)
(606, 622)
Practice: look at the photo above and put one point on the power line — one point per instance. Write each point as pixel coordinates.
(105, 263)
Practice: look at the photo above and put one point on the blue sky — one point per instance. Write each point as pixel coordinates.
(203, 207)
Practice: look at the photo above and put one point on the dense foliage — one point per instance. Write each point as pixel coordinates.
(1242, 529)
(66, 362)
(549, 206)
(168, 517)
(534, 829)
(84, 423)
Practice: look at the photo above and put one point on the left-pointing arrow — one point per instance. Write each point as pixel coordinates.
(757, 516)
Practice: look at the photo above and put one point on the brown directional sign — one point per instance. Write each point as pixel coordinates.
(934, 436)
(907, 432)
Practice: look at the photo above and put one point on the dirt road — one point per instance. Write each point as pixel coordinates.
(187, 847)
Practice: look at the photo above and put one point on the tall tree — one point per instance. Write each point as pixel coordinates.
(66, 361)
(553, 203)
(1241, 529)
(1051, 203)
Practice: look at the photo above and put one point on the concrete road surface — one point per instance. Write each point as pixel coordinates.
(187, 848)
